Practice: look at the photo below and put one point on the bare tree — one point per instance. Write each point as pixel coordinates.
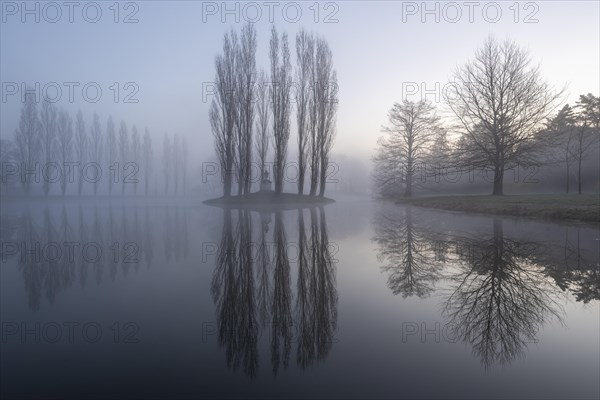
(222, 114)
(81, 148)
(96, 147)
(388, 174)
(136, 151)
(280, 102)
(304, 57)
(313, 117)
(65, 145)
(322, 109)
(262, 123)
(412, 127)
(111, 153)
(587, 132)
(28, 140)
(8, 153)
(561, 129)
(327, 103)
(123, 154)
(246, 79)
(147, 150)
(500, 101)
(48, 119)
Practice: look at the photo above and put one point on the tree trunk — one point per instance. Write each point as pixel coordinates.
(240, 184)
(568, 177)
(579, 175)
(314, 172)
(323, 179)
(301, 169)
(409, 176)
(227, 183)
(498, 180)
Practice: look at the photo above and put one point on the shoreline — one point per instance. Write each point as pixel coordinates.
(574, 208)
(270, 198)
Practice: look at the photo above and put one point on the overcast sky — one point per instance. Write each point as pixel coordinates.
(379, 48)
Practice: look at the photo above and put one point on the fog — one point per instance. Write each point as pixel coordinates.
(342, 199)
(382, 54)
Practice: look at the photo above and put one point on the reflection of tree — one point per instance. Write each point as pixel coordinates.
(30, 268)
(409, 256)
(148, 238)
(58, 249)
(121, 250)
(264, 266)
(112, 240)
(175, 235)
(579, 275)
(52, 280)
(67, 264)
(233, 293)
(241, 302)
(99, 239)
(500, 298)
(83, 239)
(317, 293)
(281, 304)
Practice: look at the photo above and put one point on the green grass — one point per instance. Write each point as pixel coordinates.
(572, 207)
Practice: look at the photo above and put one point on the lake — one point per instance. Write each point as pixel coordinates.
(360, 298)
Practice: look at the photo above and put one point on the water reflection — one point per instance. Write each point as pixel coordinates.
(499, 291)
(55, 249)
(408, 252)
(501, 296)
(253, 295)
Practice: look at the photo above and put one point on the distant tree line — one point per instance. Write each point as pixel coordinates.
(65, 155)
(503, 118)
(251, 112)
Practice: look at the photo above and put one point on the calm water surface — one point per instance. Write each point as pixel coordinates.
(355, 299)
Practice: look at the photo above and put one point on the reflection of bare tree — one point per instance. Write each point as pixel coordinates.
(264, 263)
(304, 301)
(148, 238)
(248, 325)
(233, 292)
(83, 239)
(501, 297)
(99, 238)
(67, 264)
(409, 256)
(241, 302)
(317, 293)
(112, 240)
(121, 249)
(137, 234)
(167, 238)
(51, 264)
(61, 248)
(30, 268)
(281, 308)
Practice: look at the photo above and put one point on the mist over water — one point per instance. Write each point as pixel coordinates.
(229, 302)
(341, 199)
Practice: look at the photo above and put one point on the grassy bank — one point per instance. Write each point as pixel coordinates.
(584, 208)
(270, 198)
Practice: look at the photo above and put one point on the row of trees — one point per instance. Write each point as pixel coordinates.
(50, 146)
(248, 101)
(503, 114)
